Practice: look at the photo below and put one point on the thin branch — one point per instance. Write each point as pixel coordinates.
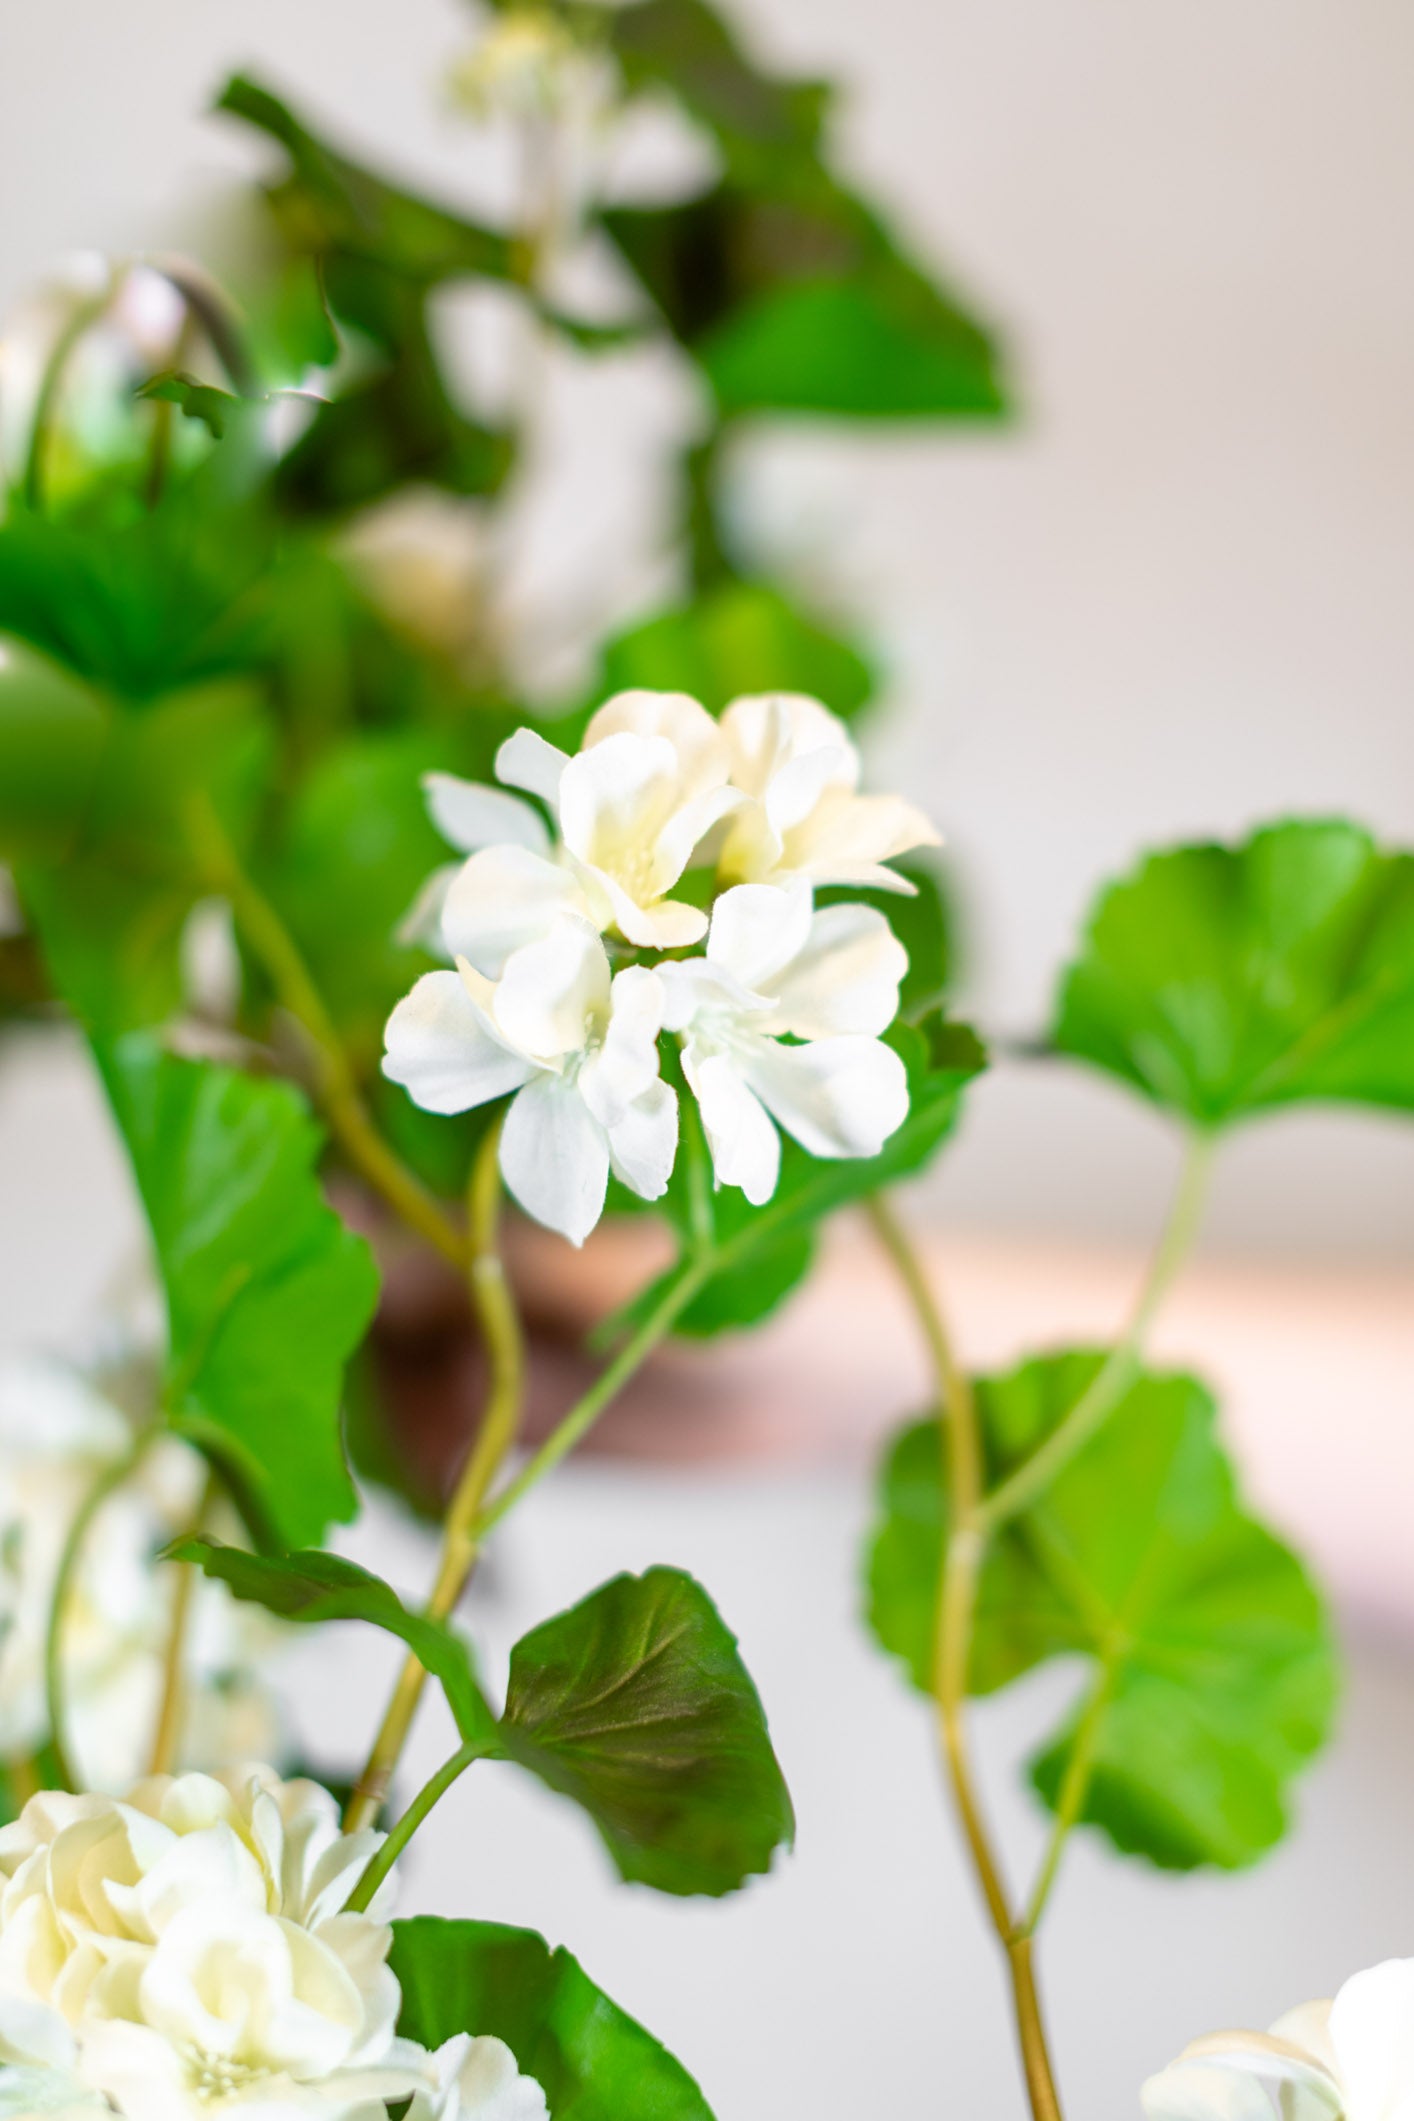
(501, 1335)
(1120, 1367)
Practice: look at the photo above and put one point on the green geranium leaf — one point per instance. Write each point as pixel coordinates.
(1224, 981)
(747, 1260)
(687, 48)
(739, 637)
(267, 1293)
(1214, 1653)
(215, 409)
(592, 2061)
(637, 1705)
(330, 201)
(793, 297)
(52, 730)
(314, 1587)
(110, 910)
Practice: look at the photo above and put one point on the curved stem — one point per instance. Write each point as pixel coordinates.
(169, 1716)
(1116, 1374)
(586, 1411)
(336, 1087)
(431, 1793)
(965, 1551)
(107, 1484)
(501, 1335)
(46, 405)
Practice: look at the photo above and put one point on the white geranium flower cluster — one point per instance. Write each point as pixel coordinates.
(1347, 2060)
(59, 1433)
(576, 945)
(187, 1952)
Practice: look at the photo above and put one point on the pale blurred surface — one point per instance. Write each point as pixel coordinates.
(1178, 597)
(860, 1974)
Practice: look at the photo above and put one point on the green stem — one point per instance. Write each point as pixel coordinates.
(1071, 1799)
(964, 1554)
(46, 404)
(336, 1086)
(586, 1411)
(168, 1733)
(431, 1794)
(1120, 1367)
(501, 1336)
(107, 1484)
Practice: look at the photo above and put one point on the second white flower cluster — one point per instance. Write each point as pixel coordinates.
(574, 929)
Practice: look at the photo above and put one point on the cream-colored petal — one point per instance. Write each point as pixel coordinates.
(757, 931)
(555, 1157)
(838, 1096)
(764, 730)
(554, 994)
(847, 836)
(662, 924)
(502, 899)
(1200, 2089)
(615, 799)
(687, 831)
(845, 979)
(1372, 2035)
(444, 1052)
(694, 735)
(471, 816)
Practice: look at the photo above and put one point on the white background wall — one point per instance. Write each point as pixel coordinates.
(1175, 599)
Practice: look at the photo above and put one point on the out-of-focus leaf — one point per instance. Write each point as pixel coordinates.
(267, 1293)
(687, 48)
(1224, 981)
(637, 1705)
(315, 1587)
(739, 637)
(111, 909)
(332, 202)
(1214, 1654)
(793, 297)
(720, 1231)
(214, 408)
(592, 2061)
(52, 732)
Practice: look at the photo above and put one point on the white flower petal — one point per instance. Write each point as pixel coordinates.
(443, 1050)
(643, 1141)
(1372, 2035)
(421, 926)
(555, 1157)
(472, 816)
(803, 781)
(845, 979)
(757, 930)
(1201, 2090)
(688, 829)
(745, 1147)
(765, 730)
(614, 801)
(695, 737)
(846, 839)
(838, 1096)
(554, 993)
(527, 761)
(662, 924)
(502, 899)
(626, 1062)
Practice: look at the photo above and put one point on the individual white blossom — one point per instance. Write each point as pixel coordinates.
(804, 817)
(777, 970)
(187, 1952)
(632, 808)
(477, 2080)
(59, 1433)
(578, 1046)
(1347, 2060)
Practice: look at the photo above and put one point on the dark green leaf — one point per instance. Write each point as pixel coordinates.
(214, 408)
(332, 202)
(1213, 1646)
(686, 47)
(1222, 981)
(637, 1705)
(740, 637)
(592, 2061)
(314, 1587)
(51, 742)
(110, 913)
(267, 1292)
